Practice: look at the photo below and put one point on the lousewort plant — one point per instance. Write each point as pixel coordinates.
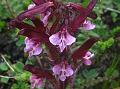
(55, 25)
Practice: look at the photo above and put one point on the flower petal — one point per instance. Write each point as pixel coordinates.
(35, 82)
(55, 39)
(62, 45)
(39, 83)
(45, 18)
(37, 50)
(69, 71)
(32, 78)
(88, 53)
(87, 62)
(56, 69)
(62, 77)
(87, 25)
(69, 39)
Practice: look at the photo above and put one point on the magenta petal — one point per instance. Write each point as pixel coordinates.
(45, 18)
(35, 82)
(39, 83)
(33, 85)
(69, 71)
(87, 25)
(87, 62)
(56, 69)
(88, 53)
(32, 47)
(62, 77)
(29, 44)
(62, 46)
(32, 78)
(32, 81)
(37, 50)
(69, 39)
(55, 39)
(30, 54)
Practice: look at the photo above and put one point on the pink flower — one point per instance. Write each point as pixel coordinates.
(86, 58)
(32, 47)
(63, 70)
(35, 82)
(62, 39)
(87, 25)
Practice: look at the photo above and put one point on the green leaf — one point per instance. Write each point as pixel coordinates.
(18, 67)
(2, 24)
(4, 80)
(92, 33)
(90, 74)
(20, 41)
(3, 67)
(23, 77)
(85, 3)
(112, 72)
(114, 84)
(20, 85)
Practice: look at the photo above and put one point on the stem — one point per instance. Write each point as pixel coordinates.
(74, 77)
(39, 61)
(6, 77)
(110, 9)
(46, 84)
(7, 63)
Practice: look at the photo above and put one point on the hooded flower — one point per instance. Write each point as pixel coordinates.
(44, 16)
(63, 70)
(35, 82)
(62, 39)
(87, 25)
(86, 58)
(32, 47)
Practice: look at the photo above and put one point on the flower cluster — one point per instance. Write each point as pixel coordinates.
(55, 25)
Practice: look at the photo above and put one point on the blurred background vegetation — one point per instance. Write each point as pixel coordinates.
(103, 74)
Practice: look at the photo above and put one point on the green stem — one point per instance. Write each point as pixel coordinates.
(110, 9)
(5, 76)
(7, 63)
